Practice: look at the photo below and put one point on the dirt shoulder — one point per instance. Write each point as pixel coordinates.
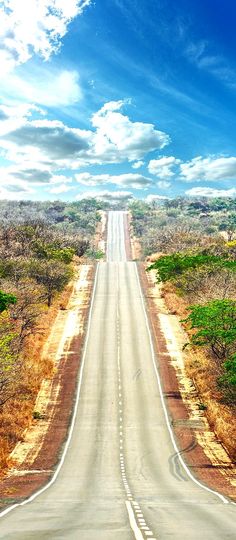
(135, 246)
(202, 450)
(34, 459)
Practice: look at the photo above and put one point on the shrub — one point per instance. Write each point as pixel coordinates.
(215, 325)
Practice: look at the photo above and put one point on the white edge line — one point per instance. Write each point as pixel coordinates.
(223, 499)
(137, 533)
(53, 479)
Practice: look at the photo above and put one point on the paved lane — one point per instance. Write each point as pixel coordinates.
(120, 479)
(116, 251)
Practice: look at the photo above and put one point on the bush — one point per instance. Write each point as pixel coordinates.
(169, 267)
(227, 382)
(215, 325)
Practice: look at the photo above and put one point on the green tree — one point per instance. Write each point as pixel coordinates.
(6, 300)
(215, 325)
(169, 267)
(228, 225)
(227, 381)
(53, 251)
(53, 275)
(10, 360)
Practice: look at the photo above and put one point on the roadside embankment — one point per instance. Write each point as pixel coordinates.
(33, 458)
(204, 428)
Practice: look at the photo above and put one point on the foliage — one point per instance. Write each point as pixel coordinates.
(10, 361)
(229, 376)
(94, 254)
(227, 381)
(170, 266)
(53, 275)
(53, 251)
(6, 300)
(215, 325)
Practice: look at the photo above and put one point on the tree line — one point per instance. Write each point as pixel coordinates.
(40, 242)
(193, 246)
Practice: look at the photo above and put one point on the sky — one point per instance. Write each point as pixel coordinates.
(117, 99)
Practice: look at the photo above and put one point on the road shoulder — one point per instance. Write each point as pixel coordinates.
(34, 459)
(204, 454)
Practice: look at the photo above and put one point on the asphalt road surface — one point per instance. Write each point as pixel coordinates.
(121, 478)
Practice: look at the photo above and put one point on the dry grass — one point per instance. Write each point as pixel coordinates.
(17, 414)
(202, 368)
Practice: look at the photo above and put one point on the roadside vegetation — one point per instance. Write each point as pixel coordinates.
(41, 246)
(191, 244)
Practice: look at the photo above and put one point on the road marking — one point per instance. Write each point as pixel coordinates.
(67, 444)
(137, 533)
(185, 467)
(136, 527)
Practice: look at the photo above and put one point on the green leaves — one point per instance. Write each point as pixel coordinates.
(6, 300)
(169, 267)
(215, 325)
(53, 251)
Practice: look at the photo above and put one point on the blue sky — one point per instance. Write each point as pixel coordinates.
(117, 98)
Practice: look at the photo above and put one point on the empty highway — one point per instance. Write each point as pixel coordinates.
(120, 479)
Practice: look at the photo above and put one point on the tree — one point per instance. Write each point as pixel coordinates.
(229, 225)
(227, 381)
(53, 251)
(53, 275)
(215, 325)
(6, 300)
(169, 267)
(10, 359)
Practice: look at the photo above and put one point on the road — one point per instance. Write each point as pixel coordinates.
(120, 479)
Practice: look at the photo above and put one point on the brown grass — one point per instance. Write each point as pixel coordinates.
(17, 414)
(202, 368)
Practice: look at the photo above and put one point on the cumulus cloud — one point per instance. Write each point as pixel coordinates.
(138, 164)
(118, 138)
(32, 175)
(31, 27)
(131, 180)
(13, 188)
(163, 167)
(3, 115)
(24, 178)
(49, 139)
(115, 139)
(113, 197)
(39, 86)
(210, 192)
(63, 188)
(162, 184)
(209, 168)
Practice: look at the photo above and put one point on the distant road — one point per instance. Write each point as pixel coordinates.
(121, 478)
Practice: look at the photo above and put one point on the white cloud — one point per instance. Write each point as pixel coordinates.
(115, 139)
(41, 140)
(29, 27)
(63, 188)
(13, 188)
(210, 192)
(138, 164)
(130, 180)
(163, 167)
(48, 87)
(108, 196)
(162, 184)
(152, 198)
(118, 138)
(209, 168)
(200, 54)
(30, 175)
